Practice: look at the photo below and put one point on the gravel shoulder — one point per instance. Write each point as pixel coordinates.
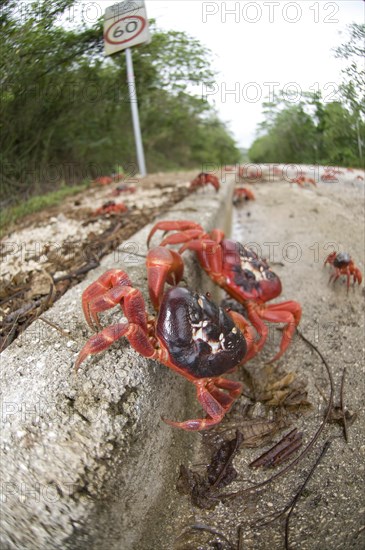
(47, 253)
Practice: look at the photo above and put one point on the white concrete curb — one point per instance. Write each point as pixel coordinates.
(86, 460)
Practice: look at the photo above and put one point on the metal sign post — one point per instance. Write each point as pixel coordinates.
(135, 116)
(126, 25)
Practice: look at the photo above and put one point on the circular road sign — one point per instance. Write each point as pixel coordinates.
(125, 29)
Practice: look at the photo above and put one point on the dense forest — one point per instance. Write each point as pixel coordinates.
(65, 111)
(327, 130)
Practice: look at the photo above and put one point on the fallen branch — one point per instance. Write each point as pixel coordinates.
(299, 493)
(342, 406)
(279, 452)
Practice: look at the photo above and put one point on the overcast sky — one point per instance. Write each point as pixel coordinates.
(261, 46)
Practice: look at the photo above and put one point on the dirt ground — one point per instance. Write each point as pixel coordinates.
(295, 228)
(48, 252)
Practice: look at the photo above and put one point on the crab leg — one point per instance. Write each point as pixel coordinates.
(254, 312)
(210, 256)
(348, 277)
(215, 403)
(109, 279)
(357, 276)
(182, 237)
(130, 299)
(335, 275)
(349, 271)
(104, 339)
(217, 235)
(234, 388)
(248, 333)
(203, 179)
(209, 178)
(162, 265)
(288, 313)
(177, 225)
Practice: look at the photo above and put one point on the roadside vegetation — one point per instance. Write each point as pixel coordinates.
(65, 111)
(319, 130)
(37, 203)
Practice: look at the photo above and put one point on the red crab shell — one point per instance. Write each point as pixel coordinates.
(247, 275)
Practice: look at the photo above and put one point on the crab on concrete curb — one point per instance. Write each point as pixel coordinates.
(189, 333)
(241, 273)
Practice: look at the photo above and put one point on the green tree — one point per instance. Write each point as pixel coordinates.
(37, 77)
(353, 86)
(316, 132)
(353, 51)
(289, 134)
(65, 112)
(260, 150)
(339, 135)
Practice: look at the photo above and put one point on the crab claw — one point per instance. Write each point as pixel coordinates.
(177, 225)
(213, 180)
(247, 331)
(163, 265)
(215, 402)
(330, 258)
(203, 179)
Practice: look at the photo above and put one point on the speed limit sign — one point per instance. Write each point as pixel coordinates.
(125, 25)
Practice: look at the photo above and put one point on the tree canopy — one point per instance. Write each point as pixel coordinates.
(313, 130)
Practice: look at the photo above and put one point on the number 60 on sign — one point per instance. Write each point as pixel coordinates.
(125, 25)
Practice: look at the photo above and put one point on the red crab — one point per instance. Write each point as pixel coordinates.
(241, 273)
(242, 194)
(103, 180)
(107, 180)
(203, 179)
(110, 207)
(277, 171)
(118, 177)
(343, 265)
(249, 172)
(123, 188)
(330, 175)
(189, 334)
(302, 180)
